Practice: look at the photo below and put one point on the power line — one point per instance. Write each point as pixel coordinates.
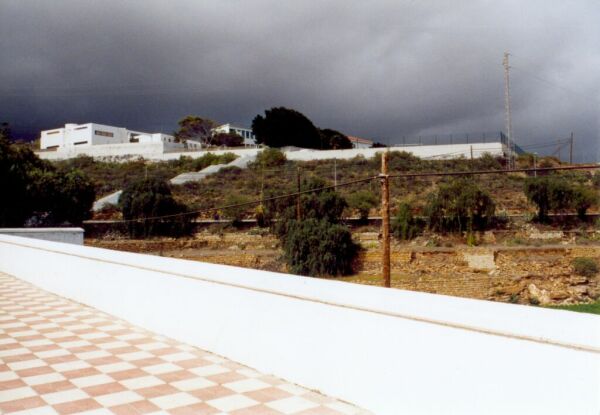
(351, 182)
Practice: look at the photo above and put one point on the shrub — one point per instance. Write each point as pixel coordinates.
(149, 198)
(318, 247)
(459, 205)
(404, 225)
(584, 266)
(270, 157)
(236, 213)
(584, 198)
(363, 201)
(549, 193)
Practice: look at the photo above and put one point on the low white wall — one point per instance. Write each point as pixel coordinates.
(389, 351)
(65, 235)
(154, 151)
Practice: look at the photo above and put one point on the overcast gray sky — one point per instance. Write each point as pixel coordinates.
(376, 69)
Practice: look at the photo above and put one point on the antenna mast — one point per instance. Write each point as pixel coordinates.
(507, 111)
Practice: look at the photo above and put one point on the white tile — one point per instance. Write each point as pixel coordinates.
(26, 364)
(119, 398)
(209, 370)
(75, 343)
(64, 396)
(111, 327)
(58, 334)
(14, 352)
(42, 326)
(177, 357)
(8, 375)
(38, 342)
(246, 385)
(231, 403)
(24, 333)
(99, 411)
(94, 354)
(46, 378)
(174, 401)
(135, 356)
(115, 367)
(291, 405)
(12, 325)
(130, 336)
(52, 353)
(84, 382)
(249, 373)
(74, 365)
(162, 368)
(215, 359)
(7, 395)
(143, 382)
(192, 384)
(151, 346)
(112, 345)
(7, 340)
(42, 410)
(94, 335)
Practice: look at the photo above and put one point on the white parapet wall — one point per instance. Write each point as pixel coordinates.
(157, 152)
(65, 235)
(389, 351)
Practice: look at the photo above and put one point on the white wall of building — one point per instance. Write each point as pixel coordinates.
(389, 351)
(245, 133)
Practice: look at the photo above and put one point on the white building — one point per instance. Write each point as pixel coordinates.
(358, 142)
(92, 134)
(245, 133)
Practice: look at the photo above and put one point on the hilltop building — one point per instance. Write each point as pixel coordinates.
(245, 133)
(358, 142)
(92, 134)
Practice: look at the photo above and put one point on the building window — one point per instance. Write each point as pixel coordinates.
(103, 133)
(81, 128)
(79, 143)
(52, 132)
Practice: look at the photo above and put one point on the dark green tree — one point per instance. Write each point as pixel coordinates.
(151, 198)
(195, 128)
(459, 205)
(282, 127)
(334, 140)
(584, 198)
(404, 224)
(363, 201)
(551, 194)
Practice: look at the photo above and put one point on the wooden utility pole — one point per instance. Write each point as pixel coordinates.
(385, 218)
(298, 210)
(507, 110)
(571, 150)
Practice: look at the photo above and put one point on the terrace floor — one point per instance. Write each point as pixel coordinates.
(61, 357)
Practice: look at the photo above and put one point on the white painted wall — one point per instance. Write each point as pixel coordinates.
(157, 153)
(389, 351)
(64, 235)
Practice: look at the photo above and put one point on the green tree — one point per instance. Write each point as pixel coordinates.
(459, 205)
(551, 193)
(318, 248)
(363, 201)
(195, 128)
(334, 140)
(583, 199)
(282, 127)
(37, 191)
(150, 198)
(404, 225)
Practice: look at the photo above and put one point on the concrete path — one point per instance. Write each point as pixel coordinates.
(62, 357)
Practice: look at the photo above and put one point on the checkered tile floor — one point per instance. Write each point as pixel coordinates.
(61, 357)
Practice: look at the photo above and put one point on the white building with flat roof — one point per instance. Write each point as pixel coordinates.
(245, 133)
(92, 134)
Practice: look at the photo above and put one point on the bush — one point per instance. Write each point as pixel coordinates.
(584, 266)
(270, 157)
(404, 225)
(459, 205)
(584, 198)
(557, 194)
(363, 201)
(236, 213)
(149, 198)
(318, 247)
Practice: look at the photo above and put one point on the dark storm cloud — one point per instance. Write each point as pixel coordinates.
(379, 69)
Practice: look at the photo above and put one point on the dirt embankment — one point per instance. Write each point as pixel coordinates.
(519, 274)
